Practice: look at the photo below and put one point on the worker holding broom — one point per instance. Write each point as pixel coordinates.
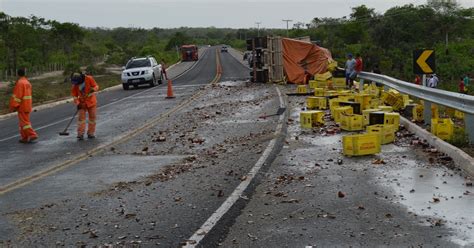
(21, 101)
(83, 90)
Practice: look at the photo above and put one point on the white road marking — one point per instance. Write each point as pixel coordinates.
(108, 104)
(199, 235)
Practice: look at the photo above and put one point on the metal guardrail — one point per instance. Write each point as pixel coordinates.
(461, 102)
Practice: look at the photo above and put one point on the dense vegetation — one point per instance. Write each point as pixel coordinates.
(389, 39)
(34, 42)
(386, 39)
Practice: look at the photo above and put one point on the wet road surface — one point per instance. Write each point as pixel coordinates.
(157, 188)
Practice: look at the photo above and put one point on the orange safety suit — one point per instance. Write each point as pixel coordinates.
(21, 101)
(84, 96)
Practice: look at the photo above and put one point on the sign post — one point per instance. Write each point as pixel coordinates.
(424, 62)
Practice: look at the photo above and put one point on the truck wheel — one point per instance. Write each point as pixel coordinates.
(125, 86)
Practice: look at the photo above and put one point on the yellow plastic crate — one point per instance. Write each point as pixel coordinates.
(334, 103)
(418, 113)
(385, 108)
(312, 102)
(443, 128)
(366, 113)
(434, 111)
(459, 115)
(345, 98)
(339, 82)
(330, 93)
(361, 144)
(342, 110)
(386, 133)
(301, 89)
(309, 119)
(372, 90)
(406, 100)
(375, 103)
(352, 122)
(392, 119)
(383, 96)
(323, 77)
(322, 103)
(318, 91)
(318, 84)
(364, 100)
(313, 84)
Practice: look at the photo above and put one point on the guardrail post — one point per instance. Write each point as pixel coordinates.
(427, 112)
(469, 126)
(361, 85)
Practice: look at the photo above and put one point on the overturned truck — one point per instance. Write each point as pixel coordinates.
(278, 59)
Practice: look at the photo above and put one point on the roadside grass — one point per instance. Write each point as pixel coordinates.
(53, 89)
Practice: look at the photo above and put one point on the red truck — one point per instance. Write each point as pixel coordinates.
(189, 53)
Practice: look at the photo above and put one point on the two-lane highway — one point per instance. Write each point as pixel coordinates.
(119, 113)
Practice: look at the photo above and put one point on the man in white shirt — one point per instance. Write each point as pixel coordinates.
(350, 66)
(433, 81)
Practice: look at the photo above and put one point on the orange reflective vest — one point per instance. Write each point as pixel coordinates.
(87, 96)
(21, 99)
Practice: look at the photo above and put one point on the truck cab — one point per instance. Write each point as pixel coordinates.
(189, 53)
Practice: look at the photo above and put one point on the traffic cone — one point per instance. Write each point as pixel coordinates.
(170, 90)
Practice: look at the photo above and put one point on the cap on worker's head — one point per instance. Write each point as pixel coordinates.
(349, 55)
(77, 78)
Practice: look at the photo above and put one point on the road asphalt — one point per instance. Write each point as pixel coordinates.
(184, 158)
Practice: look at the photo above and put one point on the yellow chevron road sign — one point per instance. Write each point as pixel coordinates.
(424, 61)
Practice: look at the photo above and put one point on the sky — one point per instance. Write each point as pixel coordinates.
(193, 13)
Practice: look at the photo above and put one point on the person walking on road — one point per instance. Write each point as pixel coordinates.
(22, 102)
(349, 66)
(83, 90)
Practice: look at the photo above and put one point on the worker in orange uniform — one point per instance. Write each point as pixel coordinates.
(21, 101)
(84, 88)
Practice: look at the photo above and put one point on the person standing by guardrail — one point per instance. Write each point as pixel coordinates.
(467, 82)
(83, 90)
(462, 89)
(22, 102)
(359, 66)
(433, 81)
(349, 67)
(417, 79)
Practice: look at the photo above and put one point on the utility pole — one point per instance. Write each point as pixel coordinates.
(287, 21)
(258, 28)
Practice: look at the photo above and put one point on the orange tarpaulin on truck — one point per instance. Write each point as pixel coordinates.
(299, 56)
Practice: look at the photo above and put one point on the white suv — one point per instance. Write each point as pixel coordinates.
(139, 71)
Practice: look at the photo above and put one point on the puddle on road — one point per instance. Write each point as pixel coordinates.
(417, 187)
